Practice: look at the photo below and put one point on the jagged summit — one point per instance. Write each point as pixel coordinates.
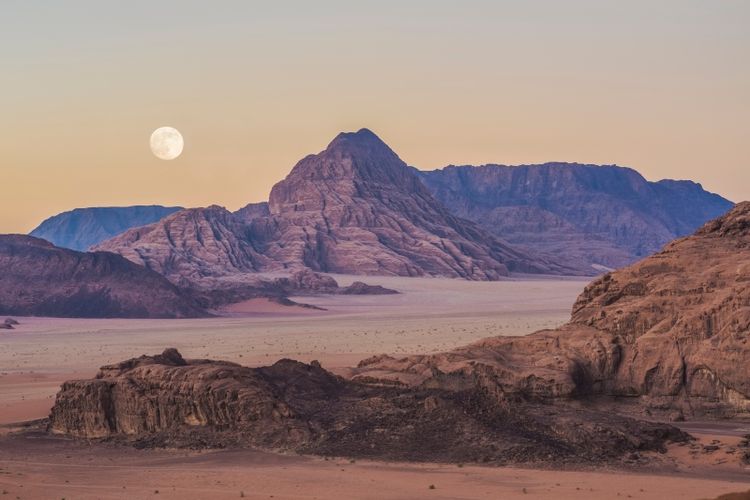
(361, 137)
(356, 207)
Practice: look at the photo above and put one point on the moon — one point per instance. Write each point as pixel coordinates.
(167, 143)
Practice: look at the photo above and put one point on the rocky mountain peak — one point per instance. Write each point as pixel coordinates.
(354, 165)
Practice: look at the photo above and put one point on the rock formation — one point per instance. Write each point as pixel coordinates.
(191, 245)
(166, 400)
(354, 208)
(253, 211)
(82, 228)
(669, 333)
(39, 279)
(586, 214)
(357, 208)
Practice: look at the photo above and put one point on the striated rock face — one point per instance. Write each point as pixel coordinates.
(354, 208)
(39, 279)
(253, 211)
(357, 208)
(588, 214)
(670, 332)
(167, 400)
(191, 245)
(82, 228)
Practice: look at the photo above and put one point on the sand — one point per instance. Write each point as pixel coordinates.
(44, 467)
(430, 315)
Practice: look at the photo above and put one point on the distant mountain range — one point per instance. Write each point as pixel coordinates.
(82, 228)
(586, 214)
(356, 207)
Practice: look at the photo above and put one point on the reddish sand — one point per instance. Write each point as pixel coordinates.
(431, 315)
(45, 467)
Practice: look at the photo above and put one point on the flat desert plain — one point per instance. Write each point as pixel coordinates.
(429, 315)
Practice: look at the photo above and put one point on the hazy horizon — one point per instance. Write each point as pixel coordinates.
(253, 88)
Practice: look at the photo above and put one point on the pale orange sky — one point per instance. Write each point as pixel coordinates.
(662, 87)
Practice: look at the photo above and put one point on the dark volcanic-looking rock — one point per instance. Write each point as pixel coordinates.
(360, 288)
(589, 214)
(82, 228)
(357, 208)
(39, 279)
(670, 332)
(167, 400)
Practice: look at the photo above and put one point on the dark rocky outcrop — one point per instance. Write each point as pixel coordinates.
(588, 214)
(360, 288)
(166, 400)
(669, 333)
(39, 279)
(82, 228)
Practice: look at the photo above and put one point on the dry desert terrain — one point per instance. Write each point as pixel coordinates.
(429, 315)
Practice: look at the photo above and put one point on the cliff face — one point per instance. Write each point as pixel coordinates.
(39, 279)
(83, 228)
(167, 400)
(191, 245)
(587, 214)
(357, 208)
(670, 332)
(354, 208)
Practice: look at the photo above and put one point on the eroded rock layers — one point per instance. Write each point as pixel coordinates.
(166, 400)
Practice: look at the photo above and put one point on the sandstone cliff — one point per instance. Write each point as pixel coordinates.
(670, 333)
(166, 400)
(590, 214)
(357, 208)
(39, 279)
(191, 245)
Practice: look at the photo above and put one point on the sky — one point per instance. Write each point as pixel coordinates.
(662, 86)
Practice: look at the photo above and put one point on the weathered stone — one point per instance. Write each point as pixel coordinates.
(168, 401)
(601, 215)
(671, 330)
(39, 279)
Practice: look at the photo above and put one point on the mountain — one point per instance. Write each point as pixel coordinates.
(668, 334)
(354, 208)
(83, 228)
(39, 279)
(587, 214)
(358, 208)
(191, 245)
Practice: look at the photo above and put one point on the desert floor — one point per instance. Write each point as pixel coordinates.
(430, 315)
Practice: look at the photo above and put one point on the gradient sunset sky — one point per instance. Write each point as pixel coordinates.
(662, 86)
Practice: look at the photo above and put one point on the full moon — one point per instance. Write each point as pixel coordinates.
(166, 143)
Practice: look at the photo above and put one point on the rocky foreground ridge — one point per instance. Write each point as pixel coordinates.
(669, 334)
(166, 400)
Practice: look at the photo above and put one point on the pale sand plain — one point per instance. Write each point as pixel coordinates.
(430, 315)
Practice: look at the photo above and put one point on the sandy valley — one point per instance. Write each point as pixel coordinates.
(429, 315)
